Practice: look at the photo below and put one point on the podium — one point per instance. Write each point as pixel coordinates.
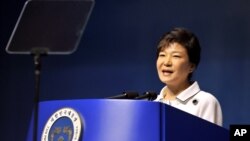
(122, 120)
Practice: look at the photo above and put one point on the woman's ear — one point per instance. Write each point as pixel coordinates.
(192, 68)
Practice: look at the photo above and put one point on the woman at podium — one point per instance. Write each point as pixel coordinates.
(178, 57)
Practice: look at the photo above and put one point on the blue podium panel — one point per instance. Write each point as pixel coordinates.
(109, 120)
(182, 126)
(121, 120)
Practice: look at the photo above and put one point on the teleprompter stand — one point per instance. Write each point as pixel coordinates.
(51, 27)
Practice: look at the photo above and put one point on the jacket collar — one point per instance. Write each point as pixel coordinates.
(189, 92)
(184, 95)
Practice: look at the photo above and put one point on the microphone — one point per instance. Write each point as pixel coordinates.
(125, 95)
(150, 96)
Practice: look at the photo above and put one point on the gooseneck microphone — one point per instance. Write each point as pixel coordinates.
(150, 96)
(125, 95)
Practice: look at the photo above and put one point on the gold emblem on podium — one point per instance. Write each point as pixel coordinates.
(63, 125)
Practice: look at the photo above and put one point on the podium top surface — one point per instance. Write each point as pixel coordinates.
(50, 26)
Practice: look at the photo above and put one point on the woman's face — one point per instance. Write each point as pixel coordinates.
(173, 65)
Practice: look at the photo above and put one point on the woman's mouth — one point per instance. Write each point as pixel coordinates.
(167, 72)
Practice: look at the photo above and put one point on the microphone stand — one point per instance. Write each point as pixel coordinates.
(125, 95)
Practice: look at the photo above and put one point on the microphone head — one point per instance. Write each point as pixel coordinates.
(131, 95)
(150, 96)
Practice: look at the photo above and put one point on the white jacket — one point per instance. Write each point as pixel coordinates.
(196, 102)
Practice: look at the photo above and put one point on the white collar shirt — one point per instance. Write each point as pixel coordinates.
(196, 102)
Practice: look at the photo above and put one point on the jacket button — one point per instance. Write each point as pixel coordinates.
(195, 102)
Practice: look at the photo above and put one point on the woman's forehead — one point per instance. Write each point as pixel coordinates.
(173, 47)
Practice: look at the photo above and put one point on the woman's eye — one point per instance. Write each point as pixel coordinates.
(177, 56)
(161, 55)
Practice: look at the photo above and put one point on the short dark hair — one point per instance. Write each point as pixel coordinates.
(185, 38)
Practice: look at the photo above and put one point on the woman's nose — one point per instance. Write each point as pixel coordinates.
(167, 61)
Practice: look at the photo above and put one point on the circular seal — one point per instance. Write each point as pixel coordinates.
(63, 125)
